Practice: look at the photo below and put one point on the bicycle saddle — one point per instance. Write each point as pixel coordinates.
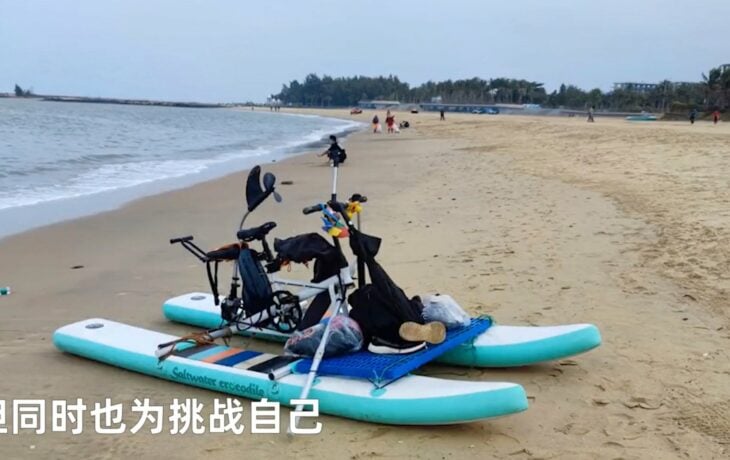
(255, 233)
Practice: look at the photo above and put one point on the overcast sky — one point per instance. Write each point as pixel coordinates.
(238, 50)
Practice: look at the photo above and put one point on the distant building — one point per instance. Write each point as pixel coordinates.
(725, 68)
(644, 88)
(684, 83)
(468, 108)
(635, 87)
(379, 104)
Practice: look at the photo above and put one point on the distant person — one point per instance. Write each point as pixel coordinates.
(443, 117)
(390, 122)
(590, 114)
(715, 116)
(334, 152)
(692, 116)
(376, 124)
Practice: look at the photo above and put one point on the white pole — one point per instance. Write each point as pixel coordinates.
(319, 354)
(334, 182)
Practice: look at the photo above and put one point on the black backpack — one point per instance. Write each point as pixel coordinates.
(373, 310)
(257, 293)
(381, 306)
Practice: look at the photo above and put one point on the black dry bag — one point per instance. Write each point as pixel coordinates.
(257, 293)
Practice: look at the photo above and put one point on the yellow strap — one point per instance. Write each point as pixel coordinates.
(353, 208)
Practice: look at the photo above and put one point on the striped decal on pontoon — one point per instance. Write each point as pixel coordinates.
(191, 349)
(254, 361)
(201, 355)
(244, 356)
(274, 363)
(234, 357)
(221, 355)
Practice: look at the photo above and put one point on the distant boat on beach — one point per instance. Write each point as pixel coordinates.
(642, 117)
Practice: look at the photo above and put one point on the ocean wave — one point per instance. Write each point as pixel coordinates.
(110, 177)
(95, 173)
(27, 170)
(101, 158)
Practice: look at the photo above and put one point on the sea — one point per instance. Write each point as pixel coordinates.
(61, 160)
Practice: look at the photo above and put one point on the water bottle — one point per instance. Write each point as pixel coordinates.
(5, 290)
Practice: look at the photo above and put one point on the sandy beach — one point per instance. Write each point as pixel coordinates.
(535, 221)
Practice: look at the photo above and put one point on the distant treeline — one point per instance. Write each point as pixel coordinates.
(712, 92)
(20, 92)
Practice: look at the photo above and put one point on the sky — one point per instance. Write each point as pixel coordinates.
(241, 50)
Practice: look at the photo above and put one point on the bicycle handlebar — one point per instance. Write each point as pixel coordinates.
(183, 239)
(312, 209)
(356, 198)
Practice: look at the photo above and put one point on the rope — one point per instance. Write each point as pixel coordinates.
(198, 338)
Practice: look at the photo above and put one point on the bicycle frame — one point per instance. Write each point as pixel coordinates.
(336, 285)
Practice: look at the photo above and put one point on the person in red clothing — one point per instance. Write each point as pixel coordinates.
(390, 122)
(715, 116)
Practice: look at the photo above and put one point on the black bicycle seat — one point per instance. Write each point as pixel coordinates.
(255, 233)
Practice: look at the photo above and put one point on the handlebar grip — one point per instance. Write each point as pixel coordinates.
(356, 197)
(182, 239)
(312, 209)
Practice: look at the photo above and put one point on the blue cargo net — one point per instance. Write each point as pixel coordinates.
(383, 369)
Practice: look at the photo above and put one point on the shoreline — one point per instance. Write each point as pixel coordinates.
(533, 221)
(38, 215)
